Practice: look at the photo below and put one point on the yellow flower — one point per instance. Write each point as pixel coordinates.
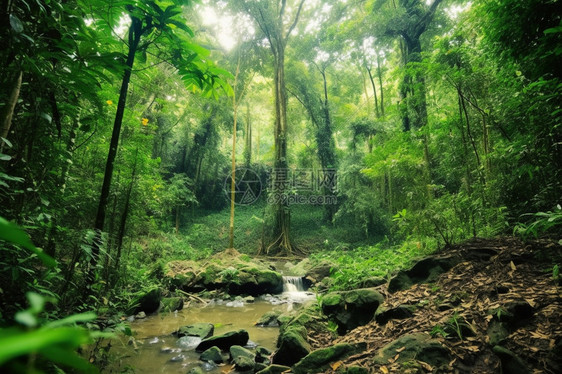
(109, 102)
(144, 121)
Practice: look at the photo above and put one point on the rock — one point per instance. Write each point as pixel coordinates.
(274, 369)
(419, 346)
(202, 330)
(148, 302)
(170, 304)
(180, 274)
(292, 346)
(140, 315)
(258, 366)
(208, 366)
(242, 363)
(238, 351)
(249, 299)
(178, 358)
(382, 316)
(263, 354)
(196, 370)
(350, 309)
(224, 341)
(372, 282)
(212, 354)
(424, 271)
(188, 342)
(320, 359)
(511, 363)
(170, 350)
(269, 319)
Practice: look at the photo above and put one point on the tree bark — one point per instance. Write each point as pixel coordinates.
(8, 111)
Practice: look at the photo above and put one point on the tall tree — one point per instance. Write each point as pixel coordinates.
(277, 24)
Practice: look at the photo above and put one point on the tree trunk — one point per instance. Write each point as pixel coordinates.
(8, 111)
(248, 138)
(379, 73)
(377, 113)
(135, 33)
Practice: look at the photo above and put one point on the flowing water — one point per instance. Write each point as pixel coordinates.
(158, 351)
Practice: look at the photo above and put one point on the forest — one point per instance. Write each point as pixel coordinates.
(280, 186)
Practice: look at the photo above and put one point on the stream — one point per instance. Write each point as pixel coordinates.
(157, 350)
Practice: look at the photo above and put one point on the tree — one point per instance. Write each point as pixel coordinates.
(271, 17)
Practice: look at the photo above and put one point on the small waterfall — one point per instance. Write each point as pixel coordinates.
(293, 284)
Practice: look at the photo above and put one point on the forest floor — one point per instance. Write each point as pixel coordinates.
(502, 293)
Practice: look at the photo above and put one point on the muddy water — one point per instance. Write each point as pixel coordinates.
(153, 334)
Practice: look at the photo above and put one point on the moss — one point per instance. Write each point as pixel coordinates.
(320, 359)
(332, 299)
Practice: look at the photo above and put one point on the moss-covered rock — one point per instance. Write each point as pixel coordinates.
(269, 319)
(292, 345)
(424, 271)
(349, 309)
(202, 330)
(243, 364)
(409, 347)
(320, 359)
(180, 274)
(147, 302)
(170, 304)
(196, 370)
(274, 369)
(224, 341)
(237, 350)
(212, 354)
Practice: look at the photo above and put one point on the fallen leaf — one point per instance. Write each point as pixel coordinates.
(512, 265)
(384, 370)
(400, 349)
(336, 365)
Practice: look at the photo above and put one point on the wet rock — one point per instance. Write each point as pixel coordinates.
(269, 319)
(237, 351)
(170, 350)
(188, 342)
(242, 363)
(154, 340)
(249, 299)
(224, 341)
(196, 370)
(320, 359)
(292, 345)
(382, 316)
(212, 354)
(170, 304)
(202, 330)
(148, 302)
(511, 363)
(274, 369)
(178, 358)
(140, 315)
(350, 309)
(424, 271)
(263, 354)
(258, 366)
(208, 366)
(418, 346)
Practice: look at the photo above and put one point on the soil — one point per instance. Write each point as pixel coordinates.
(493, 275)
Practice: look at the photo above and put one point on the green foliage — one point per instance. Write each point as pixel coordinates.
(541, 223)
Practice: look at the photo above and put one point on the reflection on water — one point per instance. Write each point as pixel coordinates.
(158, 351)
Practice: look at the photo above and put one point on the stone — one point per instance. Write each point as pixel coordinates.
(350, 309)
(224, 341)
(382, 316)
(242, 363)
(196, 370)
(212, 354)
(497, 332)
(424, 271)
(263, 354)
(147, 302)
(188, 342)
(372, 282)
(511, 363)
(319, 271)
(419, 346)
(170, 304)
(237, 351)
(140, 315)
(269, 319)
(320, 359)
(274, 369)
(201, 329)
(292, 345)
(258, 366)
(178, 358)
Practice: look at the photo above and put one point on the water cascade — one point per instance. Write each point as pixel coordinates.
(293, 284)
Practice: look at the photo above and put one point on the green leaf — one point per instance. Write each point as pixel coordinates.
(15, 235)
(26, 318)
(64, 357)
(82, 317)
(16, 24)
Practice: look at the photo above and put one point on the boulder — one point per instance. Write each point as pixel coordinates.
(424, 271)
(147, 302)
(212, 354)
(180, 274)
(349, 309)
(320, 359)
(269, 319)
(382, 316)
(243, 363)
(224, 341)
(237, 351)
(419, 346)
(196, 370)
(263, 354)
(188, 342)
(202, 330)
(319, 271)
(372, 282)
(274, 369)
(292, 345)
(170, 304)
